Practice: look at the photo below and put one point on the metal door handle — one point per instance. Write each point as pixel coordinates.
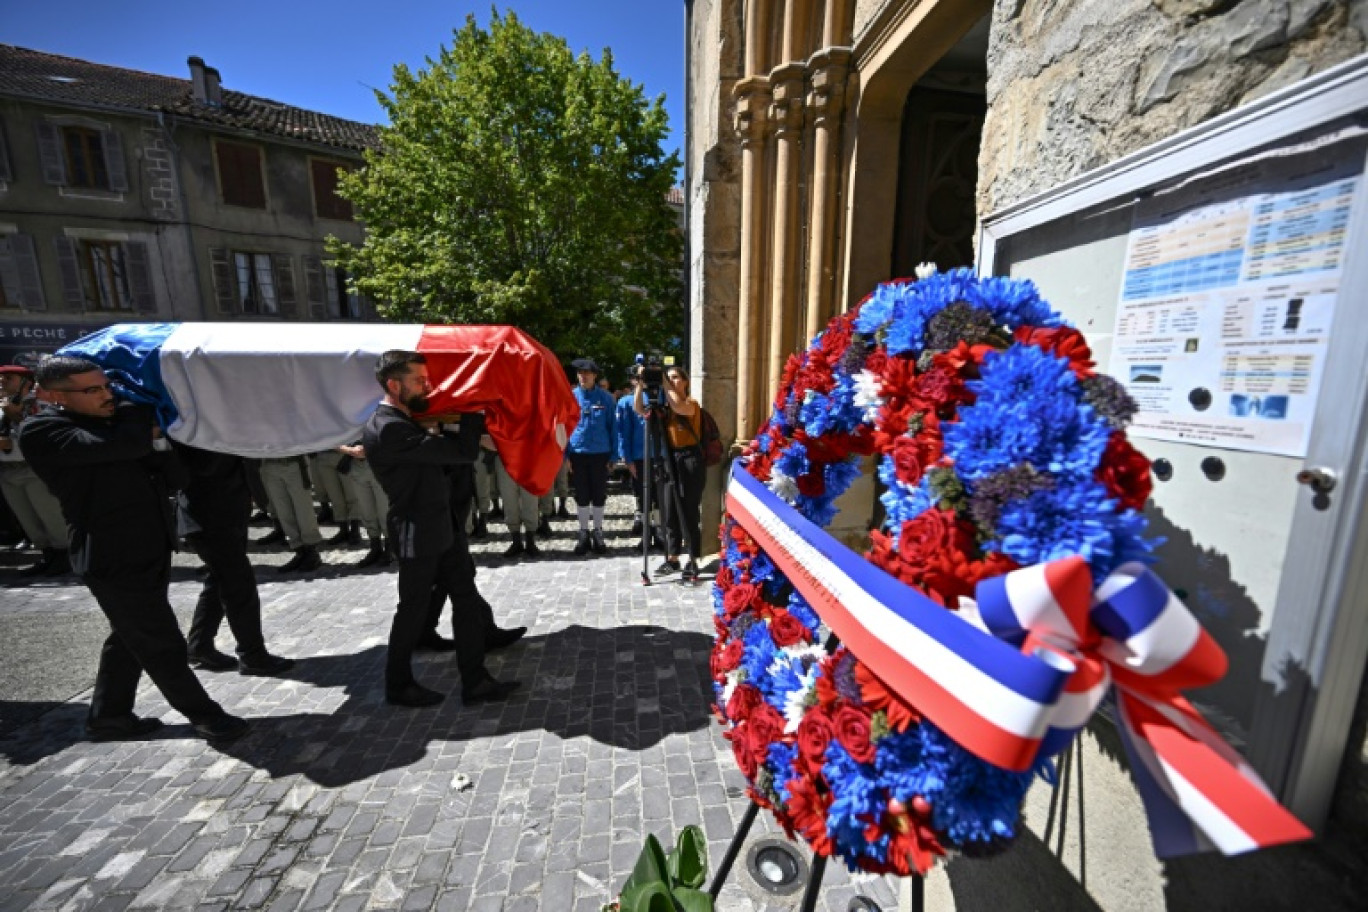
(1320, 480)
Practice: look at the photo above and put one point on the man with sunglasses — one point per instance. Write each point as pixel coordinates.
(111, 471)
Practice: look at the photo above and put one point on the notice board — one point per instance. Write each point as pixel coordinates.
(1222, 276)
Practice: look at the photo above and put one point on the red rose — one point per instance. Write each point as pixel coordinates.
(741, 749)
(907, 463)
(787, 630)
(929, 535)
(738, 598)
(1125, 472)
(852, 730)
(941, 387)
(877, 361)
(727, 658)
(743, 701)
(814, 734)
(766, 726)
(724, 576)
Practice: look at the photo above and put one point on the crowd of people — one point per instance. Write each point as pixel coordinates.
(103, 494)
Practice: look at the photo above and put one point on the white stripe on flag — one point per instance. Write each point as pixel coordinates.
(1030, 588)
(992, 700)
(268, 389)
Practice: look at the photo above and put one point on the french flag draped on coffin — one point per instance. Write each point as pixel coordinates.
(282, 389)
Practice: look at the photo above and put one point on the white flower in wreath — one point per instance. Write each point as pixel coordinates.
(783, 486)
(729, 688)
(925, 270)
(795, 701)
(867, 394)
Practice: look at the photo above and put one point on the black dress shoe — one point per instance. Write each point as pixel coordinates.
(212, 660)
(413, 695)
(376, 555)
(488, 690)
(341, 536)
(516, 548)
(221, 728)
(544, 528)
(306, 560)
(433, 642)
(597, 543)
(503, 637)
(530, 545)
(121, 728)
(274, 537)
(264, 665)
(582, 545)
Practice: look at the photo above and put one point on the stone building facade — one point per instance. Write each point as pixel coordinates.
(835, 144)
(133, 196)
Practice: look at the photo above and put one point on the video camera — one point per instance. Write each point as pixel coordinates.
(651, 373)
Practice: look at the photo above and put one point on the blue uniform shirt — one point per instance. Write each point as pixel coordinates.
(594, 433)
(631, 432)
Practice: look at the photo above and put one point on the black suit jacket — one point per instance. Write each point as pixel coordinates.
(112, 485)
(410, 465)
(216, 497)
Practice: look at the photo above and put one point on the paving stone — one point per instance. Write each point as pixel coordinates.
(336, 801)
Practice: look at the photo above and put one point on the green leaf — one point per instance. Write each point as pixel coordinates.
(692, 900)
(651, 897)
(650, 866)
(689, 861)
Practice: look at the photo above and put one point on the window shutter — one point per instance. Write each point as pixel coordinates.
(69, 267)
(9, 271)
(30, 283)
(114, 161)
(221, 271)
(285, 285)
(50, 153)
(315, 288)
(5, 173)
(140, 277)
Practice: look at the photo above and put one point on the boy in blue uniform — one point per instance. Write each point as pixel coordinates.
(590, 448)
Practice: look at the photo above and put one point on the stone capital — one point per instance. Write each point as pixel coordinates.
(830, 70)
(786, 107)
(752, 104)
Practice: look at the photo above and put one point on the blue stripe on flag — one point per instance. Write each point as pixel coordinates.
(1027, 676)
(130, 354)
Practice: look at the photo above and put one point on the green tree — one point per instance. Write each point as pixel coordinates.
(519, 183)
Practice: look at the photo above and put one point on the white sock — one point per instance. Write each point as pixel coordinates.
(583, 513)
(598, 519)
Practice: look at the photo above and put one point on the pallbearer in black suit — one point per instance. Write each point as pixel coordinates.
(410, 461)
(213, 513)
(99, 458)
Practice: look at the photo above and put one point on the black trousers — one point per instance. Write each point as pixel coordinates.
(683, 516)
(418, 576)
(230, 590)
(466, 601)
(589, 477)
(145, 637)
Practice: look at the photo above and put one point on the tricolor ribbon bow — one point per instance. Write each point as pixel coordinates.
(1027, 673)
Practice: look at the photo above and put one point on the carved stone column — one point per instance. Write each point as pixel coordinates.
(752, 126)
(786, 119)
(825, 103)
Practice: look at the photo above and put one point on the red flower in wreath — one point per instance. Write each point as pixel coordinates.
(1125, 472)
(1063, 342)
(852, 730)
(787, 630)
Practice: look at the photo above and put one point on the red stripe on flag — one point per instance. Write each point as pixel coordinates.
(1247, 805)
(959, 720)
(1070, 582)
(519, 385)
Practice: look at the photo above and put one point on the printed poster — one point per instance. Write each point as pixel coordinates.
(1229, 291)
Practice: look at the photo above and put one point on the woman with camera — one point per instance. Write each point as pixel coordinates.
(681, 427)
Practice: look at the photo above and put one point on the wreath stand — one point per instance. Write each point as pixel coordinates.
(814, 883)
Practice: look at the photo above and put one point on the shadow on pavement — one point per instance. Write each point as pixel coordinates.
(627, 687)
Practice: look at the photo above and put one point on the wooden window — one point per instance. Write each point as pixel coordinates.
(255, 283)
(327, 204)
(85, 158)
(341, 304)
(241, 180)
(104, 275)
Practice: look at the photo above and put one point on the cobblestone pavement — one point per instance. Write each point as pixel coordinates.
(336, 800)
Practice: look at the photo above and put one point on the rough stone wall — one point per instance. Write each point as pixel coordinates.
(714, 194)
(1074, 85)
(866, 11)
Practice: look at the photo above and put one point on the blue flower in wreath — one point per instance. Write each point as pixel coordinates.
(780, 762)
(1012, 302)
(1028, 410)
(1078, 518)
(972, 802)
(859, 796)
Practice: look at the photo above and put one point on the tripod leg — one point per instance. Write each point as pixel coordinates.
(724, 868)
(814, 884)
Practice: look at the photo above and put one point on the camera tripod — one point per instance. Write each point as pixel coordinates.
(656, 411)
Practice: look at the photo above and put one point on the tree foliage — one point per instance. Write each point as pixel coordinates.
(519, 183)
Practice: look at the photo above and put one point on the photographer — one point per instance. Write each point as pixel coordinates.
(630, 448)
(681, 423)
(39, 514)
